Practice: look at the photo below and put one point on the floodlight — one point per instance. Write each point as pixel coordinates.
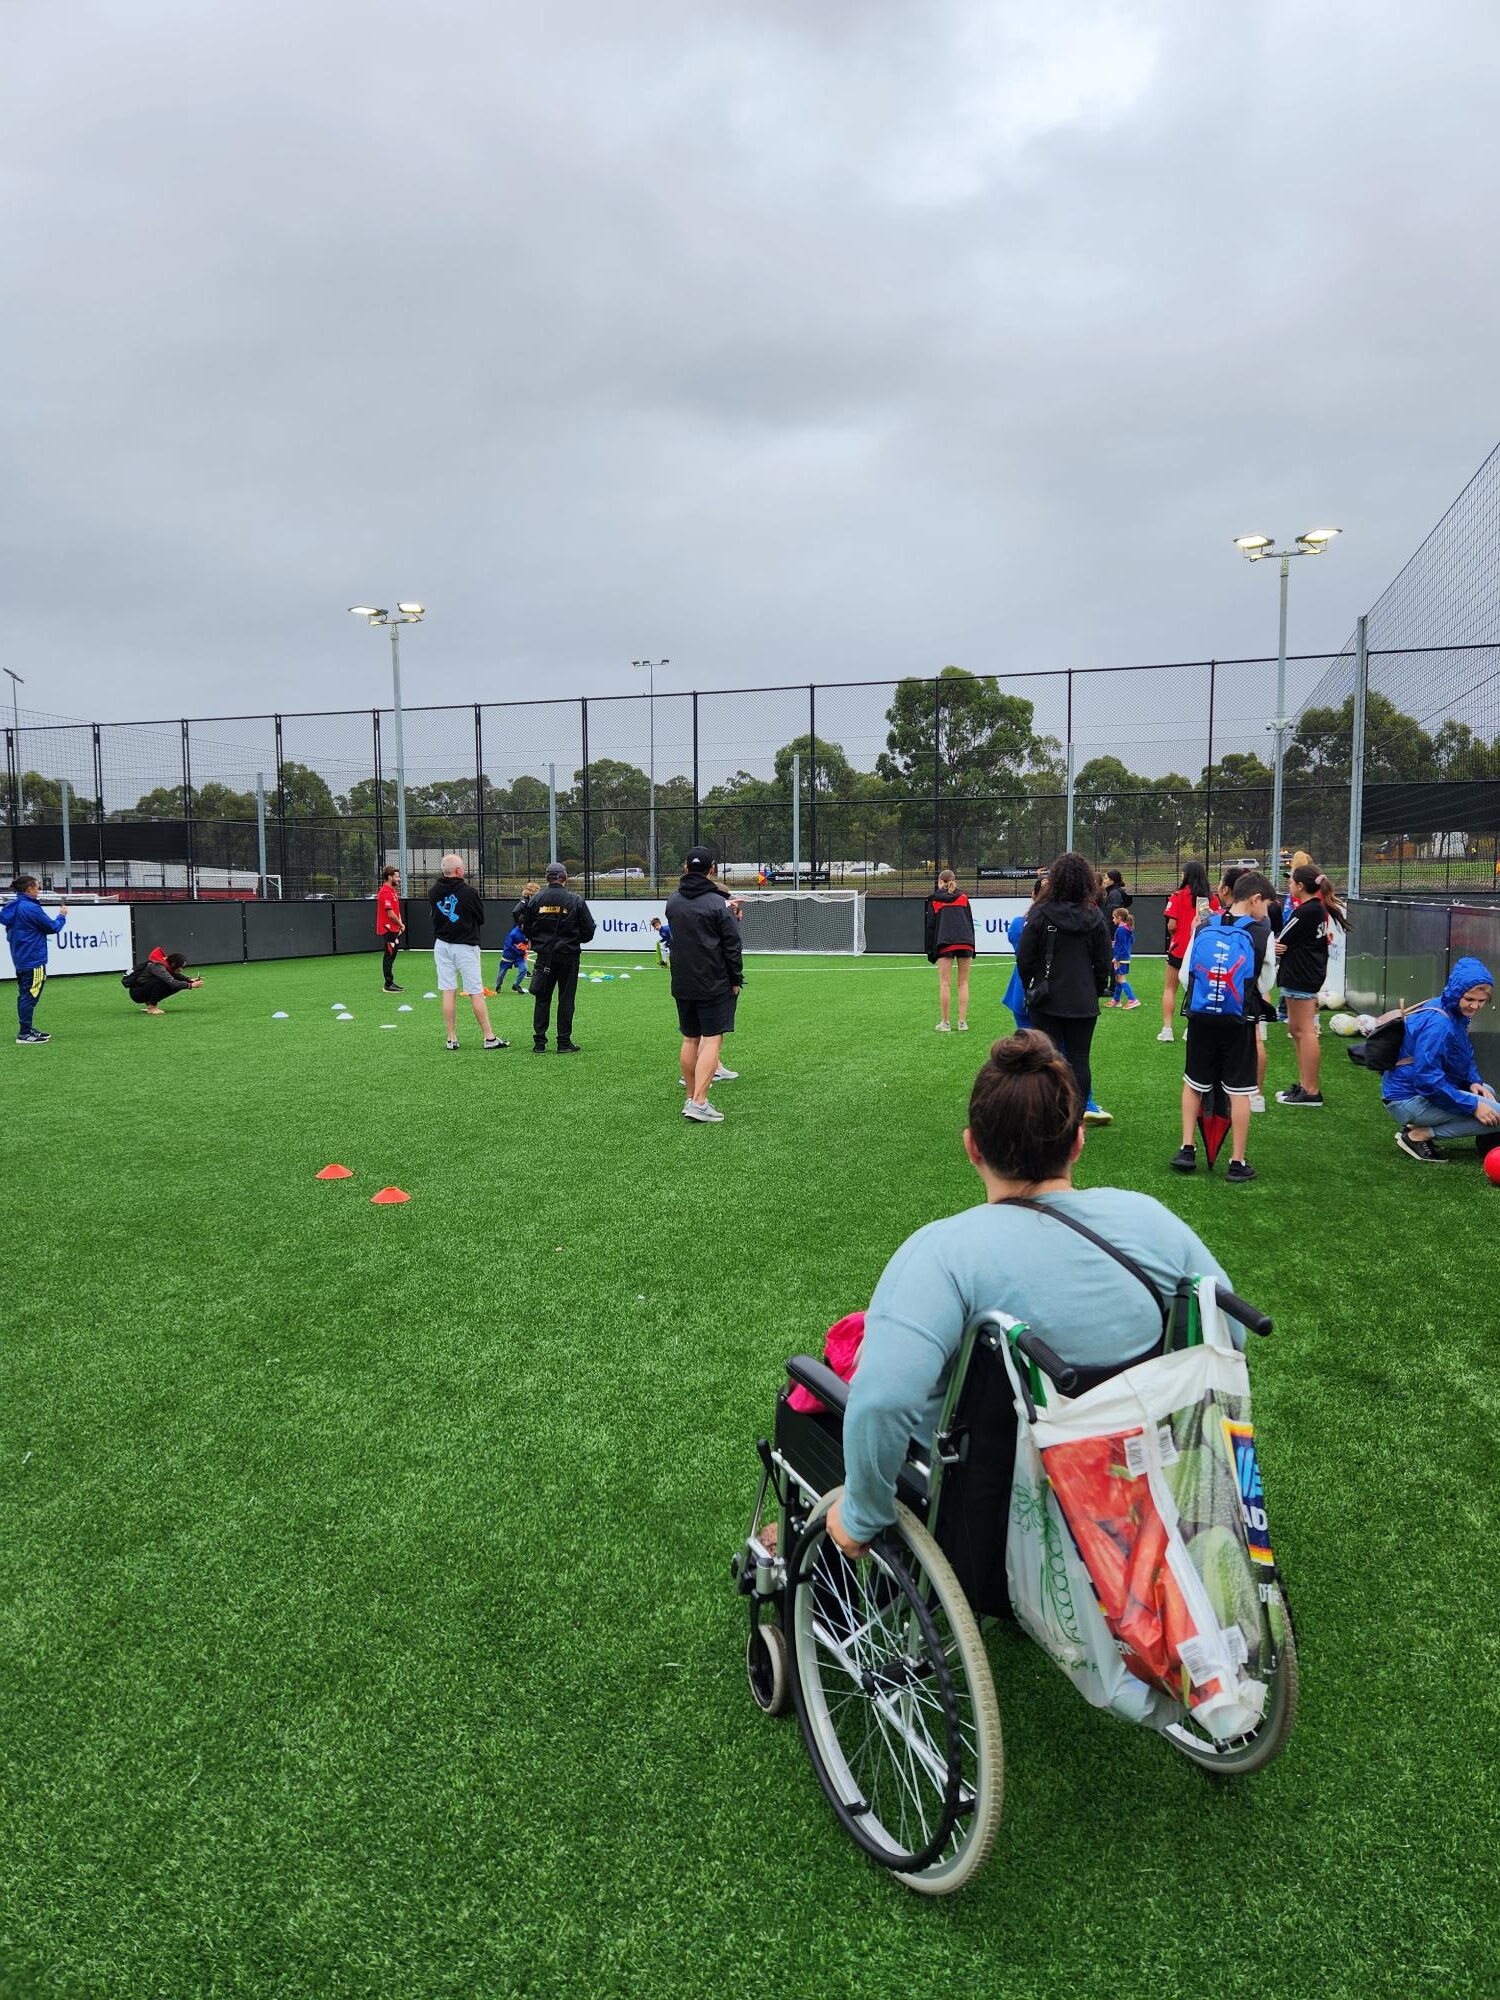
(1317, 538)
(365, 611)
(1249, 544)
(413, 610)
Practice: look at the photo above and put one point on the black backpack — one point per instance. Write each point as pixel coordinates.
(1381, 1048)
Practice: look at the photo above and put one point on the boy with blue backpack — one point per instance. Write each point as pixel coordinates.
(1229, 961)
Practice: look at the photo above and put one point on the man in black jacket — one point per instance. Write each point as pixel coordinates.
(708, 971)
(558, 924)
(457, 919)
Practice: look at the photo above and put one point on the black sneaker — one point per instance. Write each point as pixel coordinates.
(32, 1038)
(1240, 1170)
(539, 1048)
(1423, 1151)
(1297, 1095)
(1185, 1161)
(395, 989)
(569, 1049)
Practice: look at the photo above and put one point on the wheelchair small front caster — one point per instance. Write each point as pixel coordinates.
(766, 1669)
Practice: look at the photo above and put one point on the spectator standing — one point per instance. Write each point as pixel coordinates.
(557, 924)
(1191, 895)
(1227, 960)
(708, 971)
(1014, 996)
(1302, 954)
(1115, 895)
(1064, 962)
(457, 919)
(1122, 943)
(949, 926)
(28, 927)
(1263, 931)
(390, 925)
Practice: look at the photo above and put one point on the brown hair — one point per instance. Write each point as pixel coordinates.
(947, 879)
(1250, 882)
(1024, 1109)
(1071, 879)
(388, 871)
(1317, 884)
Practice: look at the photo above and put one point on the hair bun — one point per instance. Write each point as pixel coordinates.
(1026, 1053)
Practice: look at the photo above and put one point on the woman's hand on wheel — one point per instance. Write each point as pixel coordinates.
(837, 1535)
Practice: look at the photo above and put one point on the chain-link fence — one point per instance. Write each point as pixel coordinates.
(867, 784)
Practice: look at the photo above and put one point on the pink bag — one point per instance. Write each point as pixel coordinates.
(841, 1351)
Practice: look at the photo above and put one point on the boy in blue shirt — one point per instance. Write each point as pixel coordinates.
(663, 940)
(1122, 945)
(29, 927)
(513, 959)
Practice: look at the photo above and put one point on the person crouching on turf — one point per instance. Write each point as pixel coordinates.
(1434, 1091)
(29, 928)
(513, 959)
(663, 941)
(1228, 961)
(158, 979)
(1121, 946)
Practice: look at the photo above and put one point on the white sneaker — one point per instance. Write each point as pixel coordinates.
(963, 1027)
(702, 1114)
(1258, 1101)
(943, 1028)
(451, 1043)
(722, 1075)
(1165, 1035)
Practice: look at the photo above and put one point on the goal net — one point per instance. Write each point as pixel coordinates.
(802, 919)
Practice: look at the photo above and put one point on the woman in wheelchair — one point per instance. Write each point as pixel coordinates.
(890, 1508)
(1025, 1136)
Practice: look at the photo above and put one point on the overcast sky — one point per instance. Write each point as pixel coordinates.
(790, 339)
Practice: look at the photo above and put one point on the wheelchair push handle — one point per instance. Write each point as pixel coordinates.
(1249, 1316)
(1062, 1374)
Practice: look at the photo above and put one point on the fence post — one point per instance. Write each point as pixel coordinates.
(12, 798)
(588, 823)
(379, 798)
(67, 834)
(280, 808)
(696, 835)
(796, 819)
(812, 787)
(937, 774)
(260, 831)
(479, 786)
(551, 816)
(1208, 778)
(99, 802)
(187, 806)
(1357, 753)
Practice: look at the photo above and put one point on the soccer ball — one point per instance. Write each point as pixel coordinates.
(1345, 1025)
(1334, 1000)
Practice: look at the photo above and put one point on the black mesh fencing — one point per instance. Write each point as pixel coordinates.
(874, 785)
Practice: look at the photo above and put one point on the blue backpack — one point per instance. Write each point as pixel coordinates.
(1223, 970)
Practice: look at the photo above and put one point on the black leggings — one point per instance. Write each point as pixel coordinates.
(390, 944)
(1073, 1036)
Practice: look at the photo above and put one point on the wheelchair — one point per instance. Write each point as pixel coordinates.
(883, 1659)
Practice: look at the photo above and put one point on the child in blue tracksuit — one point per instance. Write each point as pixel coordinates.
(663, 940)
(28, 927)
(1121, 947)
(513, 959)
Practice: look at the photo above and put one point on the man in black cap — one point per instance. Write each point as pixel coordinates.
(707, 974)
(557, 922)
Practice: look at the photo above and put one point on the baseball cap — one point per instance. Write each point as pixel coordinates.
(699, 860)
(556, 872)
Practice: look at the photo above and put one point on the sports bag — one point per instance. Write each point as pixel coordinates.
(1222, 971)
(1383, 1045)
(1040, 990)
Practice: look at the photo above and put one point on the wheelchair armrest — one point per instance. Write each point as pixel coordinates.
(820, 1379)
(1248, 1315)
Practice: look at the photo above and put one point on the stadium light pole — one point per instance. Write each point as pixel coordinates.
(1257, 548)
(16, 681)
(406, 614)
(651, 667)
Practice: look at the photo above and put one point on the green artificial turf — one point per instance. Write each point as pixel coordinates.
(367, 1625)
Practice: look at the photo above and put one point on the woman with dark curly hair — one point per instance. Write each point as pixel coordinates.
(1064, 959)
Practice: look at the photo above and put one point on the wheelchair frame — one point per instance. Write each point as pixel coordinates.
(918, 1783)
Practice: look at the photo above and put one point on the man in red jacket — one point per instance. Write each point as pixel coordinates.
(390, 925)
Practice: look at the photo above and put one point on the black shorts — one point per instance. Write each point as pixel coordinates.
(697, 1018)
(1220, 1053)
(1174, 959)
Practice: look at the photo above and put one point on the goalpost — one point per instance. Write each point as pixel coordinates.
(787, 920)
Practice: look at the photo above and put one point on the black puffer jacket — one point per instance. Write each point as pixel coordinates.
(1080, 943)
(949, 924)
(707, 958)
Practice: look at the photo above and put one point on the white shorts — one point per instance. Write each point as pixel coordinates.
(458, 968)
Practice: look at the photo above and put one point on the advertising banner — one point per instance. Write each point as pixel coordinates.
(96, 938)
(991, 915)
(625, 926)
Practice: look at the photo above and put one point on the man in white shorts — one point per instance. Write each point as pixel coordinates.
(457, 917)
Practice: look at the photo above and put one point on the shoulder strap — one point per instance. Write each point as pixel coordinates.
(1100, 1243)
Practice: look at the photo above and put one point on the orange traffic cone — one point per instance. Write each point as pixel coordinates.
(389, 1195)
(334, 1173)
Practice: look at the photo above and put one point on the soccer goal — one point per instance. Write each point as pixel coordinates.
(802, 919)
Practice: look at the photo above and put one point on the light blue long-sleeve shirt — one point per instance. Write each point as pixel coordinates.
(1077, 1298)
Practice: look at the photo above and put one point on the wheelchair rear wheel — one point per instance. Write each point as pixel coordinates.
(1246, 1754)
(896, 1701)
